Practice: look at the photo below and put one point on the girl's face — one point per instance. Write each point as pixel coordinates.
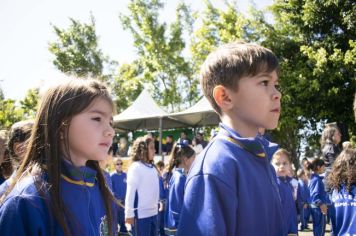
(151, 151)
(90, 133)
(337, 137)
(281, 165)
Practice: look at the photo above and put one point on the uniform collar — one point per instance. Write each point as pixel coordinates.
(251, 144)
(82, 175)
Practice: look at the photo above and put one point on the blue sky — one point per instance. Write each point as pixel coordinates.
(25, 29)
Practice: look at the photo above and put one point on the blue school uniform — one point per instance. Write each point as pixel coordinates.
(26, 212)
(163, 200)
(318, 196)
(288, 205)
(304, 196)
(231, 189)
(175, 198)
(345, 209)
(118, 180)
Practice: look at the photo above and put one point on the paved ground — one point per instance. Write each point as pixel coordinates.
(310, 232)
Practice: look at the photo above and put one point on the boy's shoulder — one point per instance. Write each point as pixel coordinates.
(220, 158)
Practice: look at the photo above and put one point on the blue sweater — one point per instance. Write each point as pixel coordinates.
(25, 212)
(119, 185)
(318, 196)
(175, 198)
(288, 205)
(230, 191)
(304, 192)
(345, 208)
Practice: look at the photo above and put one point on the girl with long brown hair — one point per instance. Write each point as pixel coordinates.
(59, 189)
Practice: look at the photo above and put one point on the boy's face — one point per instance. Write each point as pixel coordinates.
(256, 103)
(281, 165)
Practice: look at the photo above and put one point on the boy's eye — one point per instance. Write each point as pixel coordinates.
(278, 87)
(265, 83)
(96, 118)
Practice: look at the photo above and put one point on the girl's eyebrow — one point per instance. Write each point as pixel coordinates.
(103, 113)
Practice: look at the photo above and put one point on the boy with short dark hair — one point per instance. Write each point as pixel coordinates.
(231, 188)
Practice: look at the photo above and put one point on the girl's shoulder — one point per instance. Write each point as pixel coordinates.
(24, 192)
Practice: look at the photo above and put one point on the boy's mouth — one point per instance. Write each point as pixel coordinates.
(276, 110)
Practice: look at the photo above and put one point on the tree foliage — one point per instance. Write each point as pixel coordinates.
(76, 50)
(315, 41)
(30, 102)
(160, 47)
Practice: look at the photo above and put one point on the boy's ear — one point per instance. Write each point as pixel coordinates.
(222, 97)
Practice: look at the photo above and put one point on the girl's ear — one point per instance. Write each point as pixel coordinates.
(222, 97)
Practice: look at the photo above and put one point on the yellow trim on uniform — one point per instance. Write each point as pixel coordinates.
(77, 182)
(261, 155)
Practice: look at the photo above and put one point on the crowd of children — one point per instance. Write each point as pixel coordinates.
(53, 180)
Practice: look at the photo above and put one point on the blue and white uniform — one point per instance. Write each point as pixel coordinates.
(26, 212)
(231, 190)
(318, 196)
(345, 208)
(142, 197)
(288, 205)
(118, 180)
(175, 198)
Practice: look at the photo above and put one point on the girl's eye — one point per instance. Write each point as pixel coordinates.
(112, 124)
(96, 118)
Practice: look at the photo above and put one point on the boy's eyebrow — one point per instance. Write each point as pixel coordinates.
(266, 75)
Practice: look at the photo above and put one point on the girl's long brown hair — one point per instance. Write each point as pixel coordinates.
(57, 107)
(344, 170)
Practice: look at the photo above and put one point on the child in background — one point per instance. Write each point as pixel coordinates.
(142, 195)
(181, 158)
(231, 187)
(59, 189)
(304, 196)
(5, 163)
(162, 198)
(118, 180)
(282, 164)
(318, 197)
(342, 180)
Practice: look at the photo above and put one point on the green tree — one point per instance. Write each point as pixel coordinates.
(315, 41)
(160, 47)
(9, 113)
(76, 50)
(126, 85)
(29, 103)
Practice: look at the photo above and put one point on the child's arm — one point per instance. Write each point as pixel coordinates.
(132, 185)
(176, 198)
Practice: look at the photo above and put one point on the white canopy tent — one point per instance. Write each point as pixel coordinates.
(200, 114)
(144, 113)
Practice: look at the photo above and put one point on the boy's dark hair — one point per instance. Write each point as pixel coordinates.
(344, 170)
(19, 133)
(230, 62)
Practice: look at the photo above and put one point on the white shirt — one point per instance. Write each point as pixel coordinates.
(143, 179)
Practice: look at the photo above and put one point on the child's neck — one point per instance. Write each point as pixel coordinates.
(242, 129)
